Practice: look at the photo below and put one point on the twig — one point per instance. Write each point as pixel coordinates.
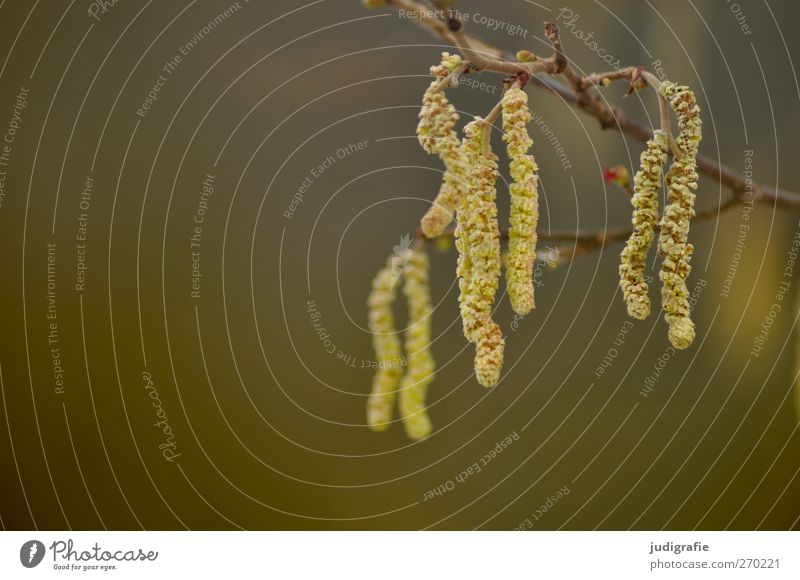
(585, 96)
(663, 108)
(488, 121)
(560, 59)
(481, 60)
(606, 78)
(447, 81)
(592, 239)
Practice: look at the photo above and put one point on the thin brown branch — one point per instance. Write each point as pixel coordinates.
(583, 241)
(583, 94)
(439, 27)
(480, 55)
(560, 59)
(488, 122)
(610, 116)
(604, 79)
(600, 237)
(484, 61)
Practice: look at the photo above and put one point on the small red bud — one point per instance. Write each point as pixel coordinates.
(618, 174)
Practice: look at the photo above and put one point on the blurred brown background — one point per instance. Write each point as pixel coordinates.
(264, 427)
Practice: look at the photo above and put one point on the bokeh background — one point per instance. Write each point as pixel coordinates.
(265, 427)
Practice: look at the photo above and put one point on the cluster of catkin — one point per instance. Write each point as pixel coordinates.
(468, 191)
(468, 194)
(673, 246)
(389, 380)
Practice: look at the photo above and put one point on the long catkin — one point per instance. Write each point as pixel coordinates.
(387, 348)
(414, 386)
(478, 243)
(647, 187)
(524, 201)
(437, 135)
(681, 183)
(489, 354)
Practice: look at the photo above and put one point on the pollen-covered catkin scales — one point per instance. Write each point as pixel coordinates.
(414, 386)
(681, 183)
(387, 348)
(478, 243)
(489, 354)
(524, 201)
(647, 186)
(437, 135)
(478, 235)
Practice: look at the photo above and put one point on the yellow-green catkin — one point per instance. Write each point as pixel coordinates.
(489, 354)
(478, 243)
(524, 201)
(477, 234)
(387, 348)
(681, 181)
(647, 187)
(437, 135)
(419, 374)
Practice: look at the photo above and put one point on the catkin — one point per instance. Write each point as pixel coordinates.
(414, 386)
(489, 354)
(524, 201)
(387, 348)
(681, 180)
(477, 235)
(647, 186)
(478, 244)
(437, 135)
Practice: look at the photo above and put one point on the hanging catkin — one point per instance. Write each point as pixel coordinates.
(478, 243)
(489, 354)
(414, 386)
(524, 201)
(681, 183)
(647, 187)
(387, 348)
(437, 135)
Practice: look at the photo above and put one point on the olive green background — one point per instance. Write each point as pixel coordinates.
(268, 425)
